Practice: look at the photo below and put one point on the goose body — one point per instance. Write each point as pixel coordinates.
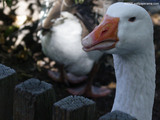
(127, 33)
(63, 44)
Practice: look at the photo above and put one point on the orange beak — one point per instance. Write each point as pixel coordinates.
(104, 36)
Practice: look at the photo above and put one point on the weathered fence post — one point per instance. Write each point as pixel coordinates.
(117, 115)
(33, 100)
(8, 81)
(74, 108)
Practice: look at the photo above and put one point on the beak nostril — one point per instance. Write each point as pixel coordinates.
(104, 32)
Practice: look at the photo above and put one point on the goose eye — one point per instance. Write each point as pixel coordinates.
(132, 19)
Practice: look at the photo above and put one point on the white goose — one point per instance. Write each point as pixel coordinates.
(127, 32)
(63, 44)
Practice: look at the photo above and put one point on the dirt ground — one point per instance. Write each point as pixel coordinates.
(20, 49)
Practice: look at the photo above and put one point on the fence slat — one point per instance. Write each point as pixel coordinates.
(117, 115)
(33, 100)
(74, 108)
(8, 80)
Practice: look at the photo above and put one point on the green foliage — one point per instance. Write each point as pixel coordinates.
(79, 1)
(10, 30)
(8, 2)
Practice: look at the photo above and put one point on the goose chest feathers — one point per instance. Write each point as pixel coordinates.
(127, 32)
(63, 44)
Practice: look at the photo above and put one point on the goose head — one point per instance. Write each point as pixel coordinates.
(125, 28)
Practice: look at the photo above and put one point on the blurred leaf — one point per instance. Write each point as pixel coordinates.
(3, 2)
(20, 20)
(112, 85)
(2, 39)
(10, 30)
(79, 1)
(8, 2)
(24, 54)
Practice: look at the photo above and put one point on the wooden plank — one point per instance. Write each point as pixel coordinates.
(117, 115)
(8, 80)
(33, 100)
(74, 108)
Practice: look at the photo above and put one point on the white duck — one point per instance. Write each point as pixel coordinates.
(127, 32)
(63, 44)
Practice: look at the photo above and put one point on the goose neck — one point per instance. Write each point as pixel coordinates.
(135, 88)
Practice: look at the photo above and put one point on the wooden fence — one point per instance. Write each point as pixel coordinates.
(35, 100)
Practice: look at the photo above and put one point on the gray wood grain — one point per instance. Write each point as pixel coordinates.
(117, 115)
(33, 100)
(74, 108)
(8, 80)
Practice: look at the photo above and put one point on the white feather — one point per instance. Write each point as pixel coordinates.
(134, 61)
(63, 44)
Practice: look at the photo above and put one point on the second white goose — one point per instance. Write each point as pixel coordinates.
(62, 43)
